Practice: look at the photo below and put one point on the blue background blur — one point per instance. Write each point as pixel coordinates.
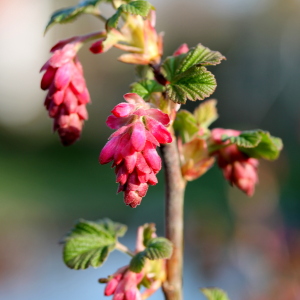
(247, 246)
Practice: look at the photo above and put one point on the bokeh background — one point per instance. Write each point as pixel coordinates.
(248, 246)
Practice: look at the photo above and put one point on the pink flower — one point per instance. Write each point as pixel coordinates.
(67, 92)
(124, 285)
(132, 148)
(239, 169)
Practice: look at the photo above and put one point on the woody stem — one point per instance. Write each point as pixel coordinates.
(175, 187)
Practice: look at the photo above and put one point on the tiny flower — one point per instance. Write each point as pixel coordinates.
(138, 37)
(132, 147)
(238, 168)
(67, 92)
(124, 285)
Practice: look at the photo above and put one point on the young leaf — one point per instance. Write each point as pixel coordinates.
(66, 15)
(89, 243)
(214, 294)
(149, 230)
(206, 113)
(268, 148)
(200, 55)
(139, 7)
(194, 84)
(186, 125)
(171, 64)
(258, 144)
(137, 263)
(145, 88)
(158, 248)
(247, 139)
(113, 21)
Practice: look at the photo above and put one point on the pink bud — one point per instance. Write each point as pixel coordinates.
(181, 50)
(97, 47)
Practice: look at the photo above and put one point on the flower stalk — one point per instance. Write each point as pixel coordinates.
(175, 187)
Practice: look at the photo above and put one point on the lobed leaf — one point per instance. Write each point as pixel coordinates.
(145, 88)
(194, 84)
(69, 14)
(200, 55)
(89, 243)
(149, 230)
(206, 113)
(247, 139)
(214, 294)
(137, 263)
(158, 248)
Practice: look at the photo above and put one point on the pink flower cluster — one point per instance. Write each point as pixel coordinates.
(132, 148)
(124, 285)
(239, 169)
(67, 93)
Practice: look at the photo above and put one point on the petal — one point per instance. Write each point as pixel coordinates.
(58, 97)
(159, 116)
(78, 81)
(63, 76)
(152, 158)
(124, 140)
(122, 174)
(107, 153)
(48, 78)
(141, 164)
(70, 101)
(158, 130)
(82, 112)
(134, 98)
(130, 162)
(111, 287)
(152, 179)
(138, 136)
(84, 97)
(184, 48)
(150, 138)
(119, 131)
(114, 122)
(123, 109)
(63, 56)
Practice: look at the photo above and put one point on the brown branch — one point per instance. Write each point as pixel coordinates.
(175, 187)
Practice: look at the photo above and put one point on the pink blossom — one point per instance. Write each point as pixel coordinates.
(238, 168)
(124, 285)
(132, 147)
(67, 92)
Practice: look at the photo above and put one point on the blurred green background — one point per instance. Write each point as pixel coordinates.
(247, 246)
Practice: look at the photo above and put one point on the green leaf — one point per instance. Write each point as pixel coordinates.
(139, 7)
(144, 72)
(89, 243)
(149, 230)
(69, 14)
(258, 144)
(158, 248)
(145, 88)
(113, 21)
(214, 294)
(268, 148)
(206, 113)
(247, 139)
(137, 263)
(194, 84)
(186, 125)
(171, 64)
(199, 55)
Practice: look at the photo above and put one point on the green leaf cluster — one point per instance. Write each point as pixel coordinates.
(257, 144)
(156, 248)
(188, 79)
(138, 7)
(214, 294)
(69, 14)
(89, 243)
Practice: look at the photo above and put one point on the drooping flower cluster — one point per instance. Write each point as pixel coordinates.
(67, 92)
(238, 168)
(124, 285)
(138, 36)
(132, 148)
